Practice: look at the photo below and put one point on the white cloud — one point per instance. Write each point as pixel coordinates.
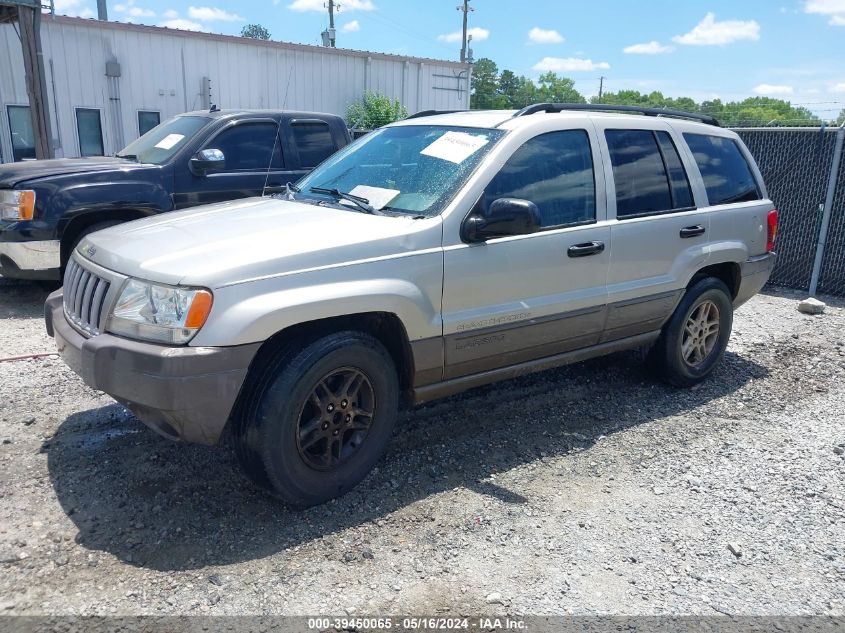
(649, 48)
(569, 65)
(181, 23)
(544, 36)
(212, 14)
(132, 11)
(840, 87)
(478, 35)
(351, 27)
(320, 5)
(170, 14)
(772, 89)
(74, 8)
(708, 32)
(833, 8)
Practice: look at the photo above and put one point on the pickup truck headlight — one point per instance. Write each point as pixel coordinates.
(157, 313)
(17, 204)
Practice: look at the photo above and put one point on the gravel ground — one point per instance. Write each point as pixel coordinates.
(589, 489)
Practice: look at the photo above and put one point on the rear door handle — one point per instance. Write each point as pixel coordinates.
(587, 248)
(692, 231)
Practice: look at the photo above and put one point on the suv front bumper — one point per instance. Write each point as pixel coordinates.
(183, 393)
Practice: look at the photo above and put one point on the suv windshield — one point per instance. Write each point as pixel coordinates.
(160, 144)
(412, 169)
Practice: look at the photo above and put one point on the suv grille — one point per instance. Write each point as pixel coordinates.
(84, 298)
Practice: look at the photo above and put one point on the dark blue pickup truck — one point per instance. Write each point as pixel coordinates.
(47, 206)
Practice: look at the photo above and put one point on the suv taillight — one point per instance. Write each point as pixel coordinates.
(771, 230)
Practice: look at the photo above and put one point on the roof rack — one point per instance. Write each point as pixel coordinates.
(598, 107)
(424, 113)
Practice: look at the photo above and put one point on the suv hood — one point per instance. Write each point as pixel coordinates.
(13, 174)
(233, 242)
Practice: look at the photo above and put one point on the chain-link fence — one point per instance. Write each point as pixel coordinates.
(796, 163)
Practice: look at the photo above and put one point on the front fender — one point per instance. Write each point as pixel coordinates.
(241, 315)
(141, 195)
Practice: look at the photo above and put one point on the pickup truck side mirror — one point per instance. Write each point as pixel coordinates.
(506, 216)
(208, 160)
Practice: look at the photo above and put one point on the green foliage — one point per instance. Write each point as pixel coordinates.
(255, 31)
(841, 118)
(554, 89)
(374, 110)
(503, 90)
(751, 112)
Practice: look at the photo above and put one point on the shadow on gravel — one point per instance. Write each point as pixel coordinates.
(166, 506)
(23, 299)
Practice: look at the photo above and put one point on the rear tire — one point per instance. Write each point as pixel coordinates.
(694, 340)
(317, 417)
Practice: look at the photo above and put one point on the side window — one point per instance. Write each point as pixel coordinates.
(249, 146)
(313, 140)
(20, 126)
(678, 181)
(727, 176)
(640, 175)
(147, 120)
(555, 172)
(90, 132)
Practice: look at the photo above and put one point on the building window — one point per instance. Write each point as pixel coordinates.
(147, 120)
(20, 126)
(90, 132)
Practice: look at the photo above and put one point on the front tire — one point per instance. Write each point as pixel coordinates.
(694, 340)
(318, 417)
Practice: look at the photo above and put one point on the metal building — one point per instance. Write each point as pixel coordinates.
(107, 82)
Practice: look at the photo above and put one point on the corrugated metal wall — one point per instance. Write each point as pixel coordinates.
(162, 70)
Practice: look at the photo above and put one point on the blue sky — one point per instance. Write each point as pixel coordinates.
(792, 49)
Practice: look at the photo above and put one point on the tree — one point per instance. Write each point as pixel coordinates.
(255, 31)
(484, 84)
(374, 110)
(554, 89)
(840, 120)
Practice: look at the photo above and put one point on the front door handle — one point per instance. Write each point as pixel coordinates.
(692, 231)
(587, 248)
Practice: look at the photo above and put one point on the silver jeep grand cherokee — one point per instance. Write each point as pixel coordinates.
(436, 254)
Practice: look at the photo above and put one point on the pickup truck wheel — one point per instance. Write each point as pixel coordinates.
(694, 340)
(322, 420)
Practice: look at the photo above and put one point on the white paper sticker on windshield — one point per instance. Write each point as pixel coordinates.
(455, 147)
(378, 197)
(169, 141)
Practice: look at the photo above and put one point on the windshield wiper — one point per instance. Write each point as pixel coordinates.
(358, 201)
(127, 156)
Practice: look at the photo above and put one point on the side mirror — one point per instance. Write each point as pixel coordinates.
(208, 160)
(506, 216)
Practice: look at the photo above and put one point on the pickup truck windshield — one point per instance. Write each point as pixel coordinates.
(160, 144)
(413, 169)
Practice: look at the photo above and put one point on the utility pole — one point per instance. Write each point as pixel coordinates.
(601, 87)
(332, 32)
(466, 9)
(29, 19)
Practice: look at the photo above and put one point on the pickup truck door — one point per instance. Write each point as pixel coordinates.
(519, 298)
(248, 146)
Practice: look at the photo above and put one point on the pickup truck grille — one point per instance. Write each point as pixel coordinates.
(85, 298)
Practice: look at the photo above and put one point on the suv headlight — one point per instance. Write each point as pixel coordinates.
(17, 204)
(157, 313)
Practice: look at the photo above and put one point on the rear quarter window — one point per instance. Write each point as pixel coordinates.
(314, 142)
(726, 173)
